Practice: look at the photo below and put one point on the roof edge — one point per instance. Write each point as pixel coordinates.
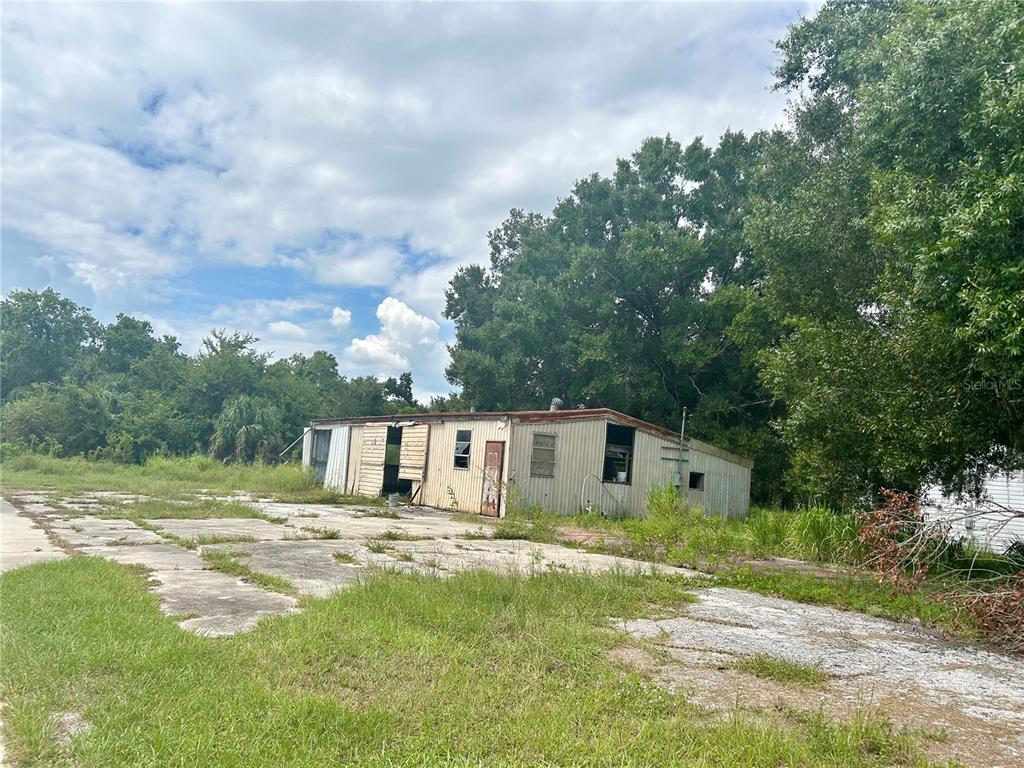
(535, 417)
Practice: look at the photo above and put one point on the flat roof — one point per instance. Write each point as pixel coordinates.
(533, 417)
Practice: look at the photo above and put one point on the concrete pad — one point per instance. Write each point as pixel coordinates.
(86, 531)
(352, 527)
(30, 497)
(158, 557)
(222, 526)
(22, 542)
(216, 604)
(309, 565)
(914, 676)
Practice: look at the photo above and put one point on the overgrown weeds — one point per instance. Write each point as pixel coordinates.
(227, 562)
(170, 477)
(782, 670)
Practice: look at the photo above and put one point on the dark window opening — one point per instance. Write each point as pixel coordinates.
(463, 437)
(697, 481)
(618, 454)
(321, 448)
(393, 448)
(392, 458)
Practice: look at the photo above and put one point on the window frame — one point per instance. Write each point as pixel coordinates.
(627, 451)
(689, 481)
(534, 461)
(456, 455)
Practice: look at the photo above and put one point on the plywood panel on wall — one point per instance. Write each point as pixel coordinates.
(371, 465)
(413, 455)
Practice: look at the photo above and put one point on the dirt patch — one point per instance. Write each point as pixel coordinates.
(963, 702)
(69, 725)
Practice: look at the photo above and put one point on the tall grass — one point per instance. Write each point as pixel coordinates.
(684, 535)
(165, 476)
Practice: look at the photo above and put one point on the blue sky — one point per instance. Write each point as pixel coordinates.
(315, 173)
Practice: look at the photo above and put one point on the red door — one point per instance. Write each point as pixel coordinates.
(494, 459)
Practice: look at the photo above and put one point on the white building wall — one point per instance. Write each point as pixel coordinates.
(336, 473)
(466, 485)
(996, 528)
(726, 483)
(579, 464)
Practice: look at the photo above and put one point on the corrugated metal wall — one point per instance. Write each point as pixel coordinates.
(355, 458)
(996, 529)
(579, 464)
(726, 483)
(337, 459)
(466, 484)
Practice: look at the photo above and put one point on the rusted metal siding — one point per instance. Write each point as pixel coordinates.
(413, 455)
(579, 451)
(371, 468)
(579, 464)
(466, 484)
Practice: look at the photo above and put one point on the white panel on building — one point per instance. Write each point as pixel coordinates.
(993, 522)
(336, 473)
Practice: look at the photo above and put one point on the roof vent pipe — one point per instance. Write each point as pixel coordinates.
(557, 404)
(472, 409)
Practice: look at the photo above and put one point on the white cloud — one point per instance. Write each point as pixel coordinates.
(140, 139)
(287, 328)
(406, 341)
(366, 146)
(252, 312)
(341, 318)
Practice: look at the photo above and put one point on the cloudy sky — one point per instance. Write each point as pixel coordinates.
(314, 174)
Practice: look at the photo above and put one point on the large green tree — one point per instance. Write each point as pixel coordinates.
(42, 335)
(891, 232)
(636, 293)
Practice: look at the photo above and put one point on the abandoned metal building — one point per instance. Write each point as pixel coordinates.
(562, 460)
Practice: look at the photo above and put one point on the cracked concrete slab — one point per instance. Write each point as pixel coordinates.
(157, 557)
(217, 526)
(22, 542)
(309, 565)
(85, 531)
(216, 604)
(916, 678)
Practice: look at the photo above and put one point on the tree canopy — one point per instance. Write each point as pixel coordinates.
(843, 299)
(73, 386)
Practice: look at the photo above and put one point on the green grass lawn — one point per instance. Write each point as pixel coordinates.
(478, 669)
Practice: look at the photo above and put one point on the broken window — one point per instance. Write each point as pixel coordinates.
(618, 454)
(462, 441)
(696, 481)
(393, 446)
(542, 458)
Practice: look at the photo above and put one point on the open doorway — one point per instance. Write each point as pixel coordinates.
(392, 459)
